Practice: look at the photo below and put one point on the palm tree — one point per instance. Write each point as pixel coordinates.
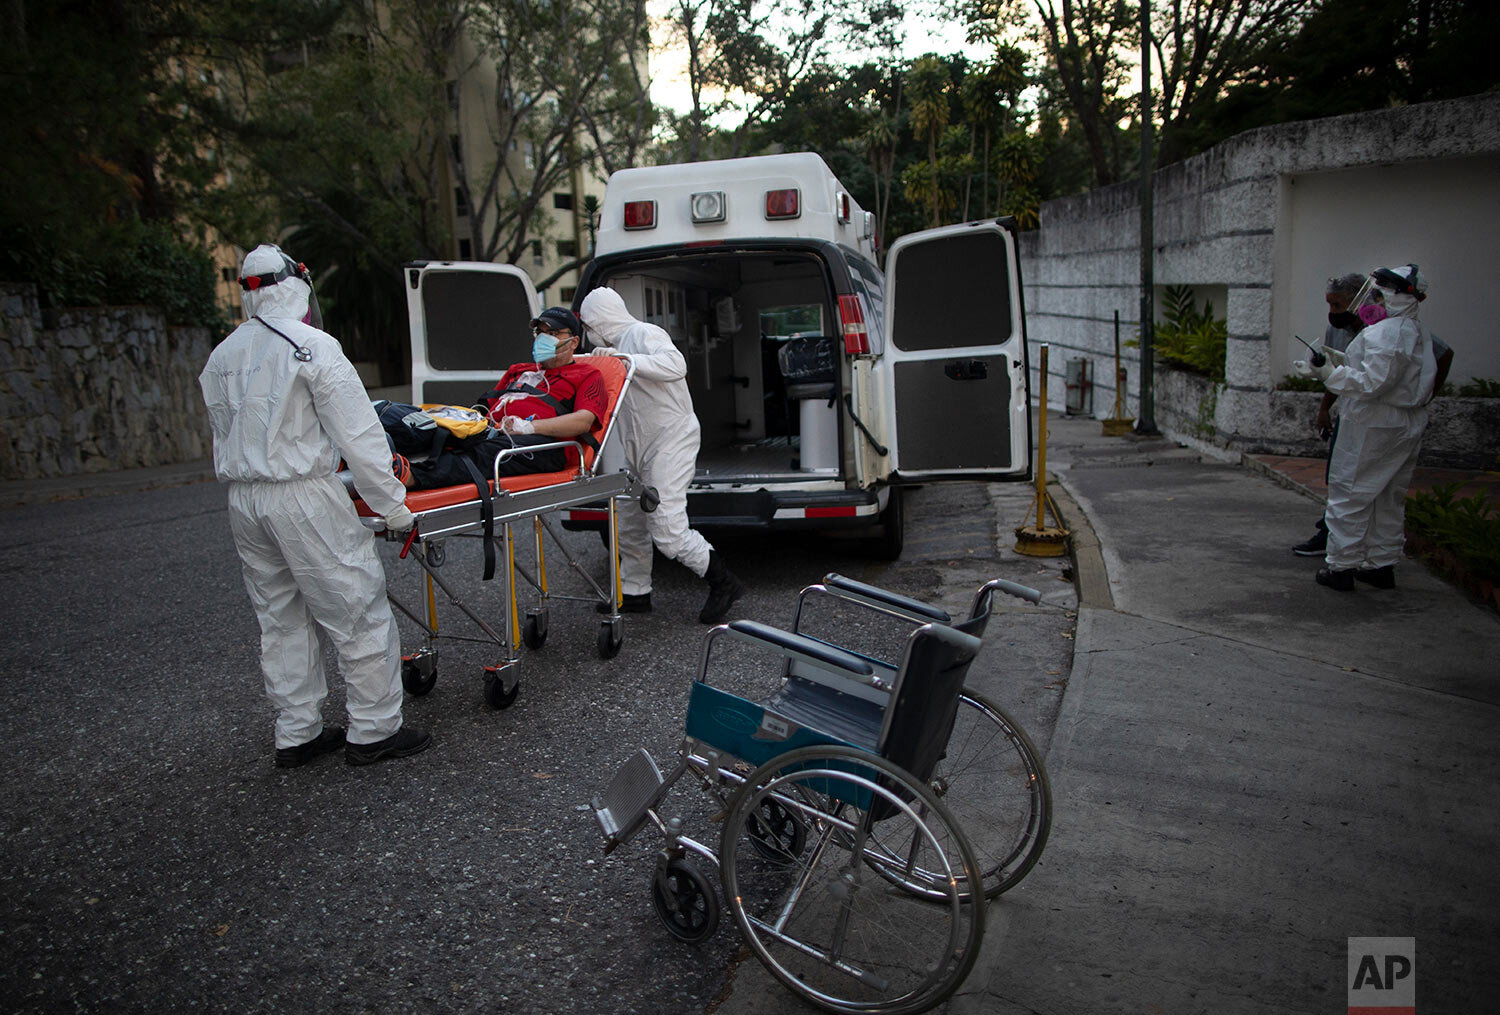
(927, 86)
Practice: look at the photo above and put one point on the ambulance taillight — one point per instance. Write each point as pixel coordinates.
(852, 318)
(783, 204)
(640, 214)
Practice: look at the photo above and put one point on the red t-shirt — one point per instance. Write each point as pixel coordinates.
(576, 384)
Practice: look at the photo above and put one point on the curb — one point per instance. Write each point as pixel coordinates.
(1279, 478)
(29, 492)
(1089, 574)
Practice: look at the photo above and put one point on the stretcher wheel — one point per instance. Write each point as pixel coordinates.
(534, 630)
(610, 639)
(776, 832)
(685, 901)
(825, 923)
(415, 681)
(495, 694)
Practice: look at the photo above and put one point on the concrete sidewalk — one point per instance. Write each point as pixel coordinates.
(1248, 768)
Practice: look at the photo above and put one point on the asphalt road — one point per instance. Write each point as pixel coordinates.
(154, 858)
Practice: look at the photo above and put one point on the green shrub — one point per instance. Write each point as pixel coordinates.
(1188, 338)
(124, 263)
(1291, 382)
(1480, 387)
(1467, 527)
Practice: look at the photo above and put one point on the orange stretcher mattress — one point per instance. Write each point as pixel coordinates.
(616, 372)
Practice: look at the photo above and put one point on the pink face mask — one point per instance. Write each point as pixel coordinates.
(1371, 313)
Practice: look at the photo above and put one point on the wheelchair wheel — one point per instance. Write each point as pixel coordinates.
(825, 922)
(776, 832)
(993, 781)
(685, 901)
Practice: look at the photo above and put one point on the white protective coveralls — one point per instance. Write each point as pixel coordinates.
(1383, 388)
(659, 434)
(279, 428)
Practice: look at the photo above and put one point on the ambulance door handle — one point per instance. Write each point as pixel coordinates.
(966, 370)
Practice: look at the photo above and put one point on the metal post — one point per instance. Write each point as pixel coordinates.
(1147, 422)
(1041, 448)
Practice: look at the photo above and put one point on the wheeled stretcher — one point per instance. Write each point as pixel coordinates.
(512, 501)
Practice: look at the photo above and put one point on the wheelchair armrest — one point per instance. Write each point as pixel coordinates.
(872, 595)
(794, 646)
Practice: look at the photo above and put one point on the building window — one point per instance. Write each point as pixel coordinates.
(562, 202)
(465, 250)
(536, 253)
(456, 146)
(460, 206)
(568, 293)
(567, 248)
(529, 155)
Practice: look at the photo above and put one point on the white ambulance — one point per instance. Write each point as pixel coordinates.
(823, 385)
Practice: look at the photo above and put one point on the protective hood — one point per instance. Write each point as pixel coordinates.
(288, 297)
(603, 313)
(1400, 305)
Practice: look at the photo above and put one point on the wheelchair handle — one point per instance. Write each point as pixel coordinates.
(795, 646)
(1031, 595)
(915, 607)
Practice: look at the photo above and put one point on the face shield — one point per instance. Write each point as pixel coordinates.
(269, 265)
(1388, 291)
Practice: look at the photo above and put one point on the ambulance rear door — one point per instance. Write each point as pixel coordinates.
(954, 371)
(470, 320)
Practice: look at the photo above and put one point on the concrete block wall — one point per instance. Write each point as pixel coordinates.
(1222, 219)
(96, 389)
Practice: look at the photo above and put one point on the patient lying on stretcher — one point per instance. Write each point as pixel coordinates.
(559, 398)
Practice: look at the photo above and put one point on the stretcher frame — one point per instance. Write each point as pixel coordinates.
(460, 511)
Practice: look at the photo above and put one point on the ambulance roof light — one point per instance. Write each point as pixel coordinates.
(640, 214)
(707, 206)
(783, 204)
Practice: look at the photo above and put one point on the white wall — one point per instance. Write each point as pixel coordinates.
(1444, 215)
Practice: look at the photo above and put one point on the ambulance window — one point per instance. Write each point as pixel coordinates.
(474, 320)
(967, 278)
(785, 322)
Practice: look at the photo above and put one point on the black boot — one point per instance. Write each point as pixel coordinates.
(1336, 579)
(723, 589)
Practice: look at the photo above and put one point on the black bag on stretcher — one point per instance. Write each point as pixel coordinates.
(415, 430)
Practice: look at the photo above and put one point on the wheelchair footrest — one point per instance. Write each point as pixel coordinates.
(634, 790)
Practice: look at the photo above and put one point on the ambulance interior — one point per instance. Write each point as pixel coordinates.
(759, 333)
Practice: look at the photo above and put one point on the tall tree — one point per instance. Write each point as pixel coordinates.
(927, 85)
(745, 59)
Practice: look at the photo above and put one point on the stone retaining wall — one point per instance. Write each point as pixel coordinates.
(1224, 222)
(96, 389)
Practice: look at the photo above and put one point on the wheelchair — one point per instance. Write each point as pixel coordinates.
(846, 797)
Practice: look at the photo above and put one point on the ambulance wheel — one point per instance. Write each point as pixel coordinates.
(495, 694)
(534, 631)
(892, 538)
(610, 640)
(415, 682)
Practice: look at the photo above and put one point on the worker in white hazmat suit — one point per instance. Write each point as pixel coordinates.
(1384, 384)
(285, 405)
(659, 434)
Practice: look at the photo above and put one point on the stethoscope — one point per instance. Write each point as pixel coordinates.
(302, 353)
